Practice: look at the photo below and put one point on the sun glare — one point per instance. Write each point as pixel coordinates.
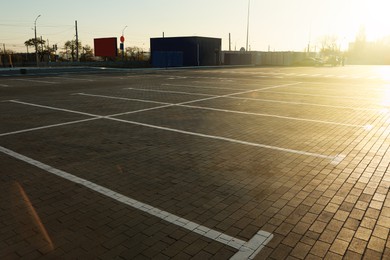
(384, 74)
(373, 16)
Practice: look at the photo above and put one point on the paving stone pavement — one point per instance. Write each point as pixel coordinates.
(143, 164)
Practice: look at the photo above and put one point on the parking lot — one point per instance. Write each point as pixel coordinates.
(213, 163)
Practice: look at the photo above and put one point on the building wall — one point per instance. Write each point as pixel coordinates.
(260, 58)
(185, 51)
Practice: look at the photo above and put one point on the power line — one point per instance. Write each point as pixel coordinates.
(13, 25)
(29, 25)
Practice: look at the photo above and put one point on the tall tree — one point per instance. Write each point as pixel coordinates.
(70, 48)
(87, 53)
(329, 45)
(39, 42)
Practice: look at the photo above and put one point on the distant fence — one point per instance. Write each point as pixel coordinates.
(257, 58)
(29, 60)
(263, 58)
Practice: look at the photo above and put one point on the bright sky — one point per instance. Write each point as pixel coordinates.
(280, 25)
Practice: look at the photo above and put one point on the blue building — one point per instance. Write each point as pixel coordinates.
(185, 51)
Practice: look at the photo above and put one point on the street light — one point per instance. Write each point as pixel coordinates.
(123, 44)
(36, 44)
(247, 26)
(124, 30)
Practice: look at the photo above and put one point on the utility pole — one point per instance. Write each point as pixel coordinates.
(77, 43)
(42, 43)
(123, 43)
(247, 26)
(5, 54)
(48, 50)
(36, 43)
(230, 43)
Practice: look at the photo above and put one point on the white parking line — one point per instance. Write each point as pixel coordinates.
(216, 96)
(246, 250)
(207, 87)
(67, 78)
(122, 98)
(37, 81)
(184, 104)
(227, 139)
(319, 95)
(47, 126)
(307, 104)
(171, 92)
(131, 112)
(54, 108)
(221, 138)
(232, 96)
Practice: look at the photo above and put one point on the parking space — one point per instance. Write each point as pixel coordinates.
(215, 163)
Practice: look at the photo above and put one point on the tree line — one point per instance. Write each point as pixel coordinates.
(68, 52)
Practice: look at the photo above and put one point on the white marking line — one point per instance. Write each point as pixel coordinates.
(66, 78)
(142, 110)
(225, 82)
(207, 87)
(164, 105)
(223, 110)
(306, 104)
(231, 140)
(247, 250)
(4, 86)
(315, 95)
(37, 81)
(54, 108)
(48, 126)
(214, 96)
(121, 98)
(227, 139)
(274, 116)
(263, 100)
(337, 159)
(172, 92)
(262, 76)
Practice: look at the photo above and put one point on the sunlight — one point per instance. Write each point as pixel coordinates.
(384, 74)
(372, 15)
(35, 216)
(386, 95)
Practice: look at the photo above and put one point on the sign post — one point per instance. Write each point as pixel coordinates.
(122, 46)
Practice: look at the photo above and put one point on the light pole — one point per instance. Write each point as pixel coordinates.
(36, 43)
(247, 26)
(123, 43)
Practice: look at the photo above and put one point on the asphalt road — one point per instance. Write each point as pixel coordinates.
(276, 163)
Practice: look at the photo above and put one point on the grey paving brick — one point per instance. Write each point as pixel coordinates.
(217, 177)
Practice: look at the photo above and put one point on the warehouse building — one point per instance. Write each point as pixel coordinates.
(185, 51)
